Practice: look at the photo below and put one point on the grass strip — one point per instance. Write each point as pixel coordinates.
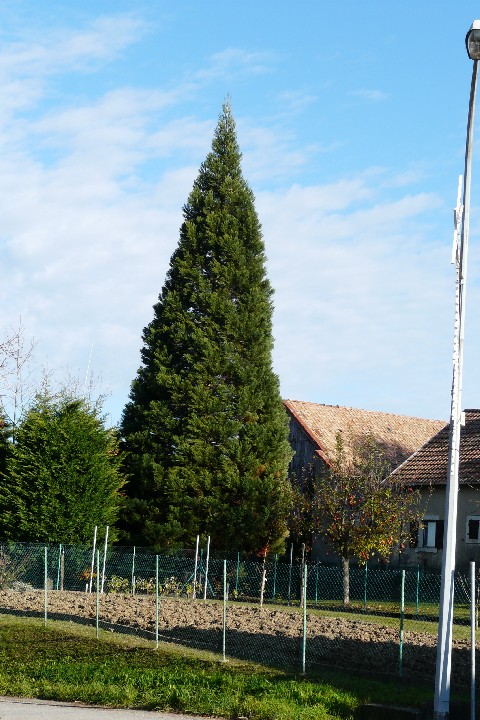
(65, 662)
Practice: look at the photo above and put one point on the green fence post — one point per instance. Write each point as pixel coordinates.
(59, 562)
(133, 571)
(156, 602)
(274, 576)
(365, 587)
(97, 604)
(45, 586)
(417, 593)
(224, 628)
(316, 583)
(402, 617)
(290, 574)
(236, 575)
(304, 637)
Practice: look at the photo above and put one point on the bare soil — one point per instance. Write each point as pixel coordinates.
(270, 634)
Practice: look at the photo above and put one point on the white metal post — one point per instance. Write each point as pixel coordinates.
(473, 626)
(93, 559)
(444, 644)
(194, 592)
(206, 569)
(104, 560)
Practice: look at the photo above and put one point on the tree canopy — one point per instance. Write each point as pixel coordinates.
(205, 430)
(62, 474)
(354, 507)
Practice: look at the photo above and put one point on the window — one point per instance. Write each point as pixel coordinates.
(431, 534)
(473, 529)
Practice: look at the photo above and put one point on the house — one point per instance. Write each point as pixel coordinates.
(314, 428)
(427, 470)
(313, 434)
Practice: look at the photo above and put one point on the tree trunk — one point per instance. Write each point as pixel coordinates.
(346, 580)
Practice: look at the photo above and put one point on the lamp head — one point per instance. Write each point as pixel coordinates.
(472, 41)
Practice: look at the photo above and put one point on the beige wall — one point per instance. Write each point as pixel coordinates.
(434, 507)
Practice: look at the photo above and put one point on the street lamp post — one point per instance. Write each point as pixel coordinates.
(444, 645)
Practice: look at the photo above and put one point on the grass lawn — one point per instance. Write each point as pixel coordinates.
(64, 661)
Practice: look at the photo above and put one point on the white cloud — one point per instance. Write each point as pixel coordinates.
(62, 49)
(91, 196)
(370, 94)
(360, 291)
(234, 61)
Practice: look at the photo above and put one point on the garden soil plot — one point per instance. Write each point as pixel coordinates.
(271, 635)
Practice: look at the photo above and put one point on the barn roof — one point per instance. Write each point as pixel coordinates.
(399, 435)
(429, 465)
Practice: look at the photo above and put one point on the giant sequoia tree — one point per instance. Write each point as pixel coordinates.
(205, 430)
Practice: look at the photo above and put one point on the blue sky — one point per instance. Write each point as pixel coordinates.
(351, 118)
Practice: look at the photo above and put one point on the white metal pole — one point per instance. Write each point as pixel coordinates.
(194, 593)
(444, 644)
(473, 626)
(93, 559)
(104, 559)
(206, 569)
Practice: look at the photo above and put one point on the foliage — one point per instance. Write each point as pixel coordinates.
(12, 567)
(145, 585)
(354, 506)
(62, 476)
(116, 584)
(205, 430)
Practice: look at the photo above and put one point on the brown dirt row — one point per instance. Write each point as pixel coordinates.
(269, 635)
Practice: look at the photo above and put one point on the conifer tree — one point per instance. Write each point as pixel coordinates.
(205, 430)
(62, 474)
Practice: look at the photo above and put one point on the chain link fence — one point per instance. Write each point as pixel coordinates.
(291, 615)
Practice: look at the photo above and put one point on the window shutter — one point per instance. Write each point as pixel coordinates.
(439, 534)
(473, 529)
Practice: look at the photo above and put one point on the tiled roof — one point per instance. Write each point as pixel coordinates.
(430, 464)
(400, 435)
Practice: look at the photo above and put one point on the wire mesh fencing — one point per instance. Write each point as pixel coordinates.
(291, 615)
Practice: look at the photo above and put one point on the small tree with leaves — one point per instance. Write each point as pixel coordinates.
(354, 507)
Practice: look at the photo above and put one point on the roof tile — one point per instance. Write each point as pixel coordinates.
(400, 435)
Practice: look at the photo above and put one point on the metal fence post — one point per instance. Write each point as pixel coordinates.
(206, 569)
(236, 574)
(472, 639)
(45, 586)
(133, 571)
(365, 587)
(224, 623)
(304, 637)
(290, 574)
(59, 565)
(97, 587)
(402, 617)
(194, 591)
(274, 576)
(417, 594)
(156, 602)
